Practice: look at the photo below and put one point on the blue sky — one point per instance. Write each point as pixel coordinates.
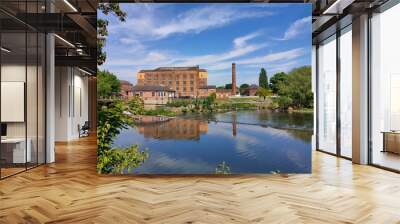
(274, 36)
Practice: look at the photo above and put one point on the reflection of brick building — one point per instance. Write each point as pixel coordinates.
(154, 95)
(174, 129)
(186, 81)
(125, 88)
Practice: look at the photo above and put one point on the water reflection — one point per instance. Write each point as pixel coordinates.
(174, 128)
(198, 144)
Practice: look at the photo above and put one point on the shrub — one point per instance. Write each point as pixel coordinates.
(136, 105)
(284, 101)
(111, 120)
(117, 160)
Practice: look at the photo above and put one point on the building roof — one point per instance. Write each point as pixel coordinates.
(253, 86)
(188, 68)
(152, 88)
(124, 82)
(208, 87)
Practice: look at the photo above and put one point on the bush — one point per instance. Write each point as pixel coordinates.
(111, 120)
(136, 105)
(284, 101)
(296, 90)
(117, 160)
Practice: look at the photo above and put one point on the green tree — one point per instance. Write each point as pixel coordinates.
(243, 88)
(208, 103)
(102, 32)
(280, 77)
(297, 90)
(107, 84)
(263, 92)
(228, 86)
(263, 79)
(136, 105)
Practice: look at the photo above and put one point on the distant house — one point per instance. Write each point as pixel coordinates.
(251, 90)
(206, 91)
(223, 93)
(125, 89)
(154, 94)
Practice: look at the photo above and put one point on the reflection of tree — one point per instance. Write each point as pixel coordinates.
(304, 136)
(234, 124)
(279, 119)
(223, 168)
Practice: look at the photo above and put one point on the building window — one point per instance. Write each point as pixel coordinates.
(184, 82)
(385, 89)
(177, 83)
(346, 92)
(153, 93)
(191, 83)
(327, 95)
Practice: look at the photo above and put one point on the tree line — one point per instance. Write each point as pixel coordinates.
(289, 90)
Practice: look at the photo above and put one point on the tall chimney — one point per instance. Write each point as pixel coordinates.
(233, 79)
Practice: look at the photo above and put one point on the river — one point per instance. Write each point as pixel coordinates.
(248, 142)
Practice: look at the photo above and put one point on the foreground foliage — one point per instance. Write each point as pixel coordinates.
(107, 84)
(117, 160)
(102, 24)
(111, 120)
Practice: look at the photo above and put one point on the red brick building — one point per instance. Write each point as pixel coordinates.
(206, 91)
(154, 94)
(251, 90)
(185, 81)
(125, 89)
(223, 93)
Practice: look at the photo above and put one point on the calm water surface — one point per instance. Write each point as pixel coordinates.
(248, 142)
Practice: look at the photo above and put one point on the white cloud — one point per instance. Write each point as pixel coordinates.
(215, 58)
(296, 28)
(153, 25)
(198, 20)
(241, 41)
(279, 56)
(149, 59)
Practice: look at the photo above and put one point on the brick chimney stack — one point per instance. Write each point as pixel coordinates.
(233, 79)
